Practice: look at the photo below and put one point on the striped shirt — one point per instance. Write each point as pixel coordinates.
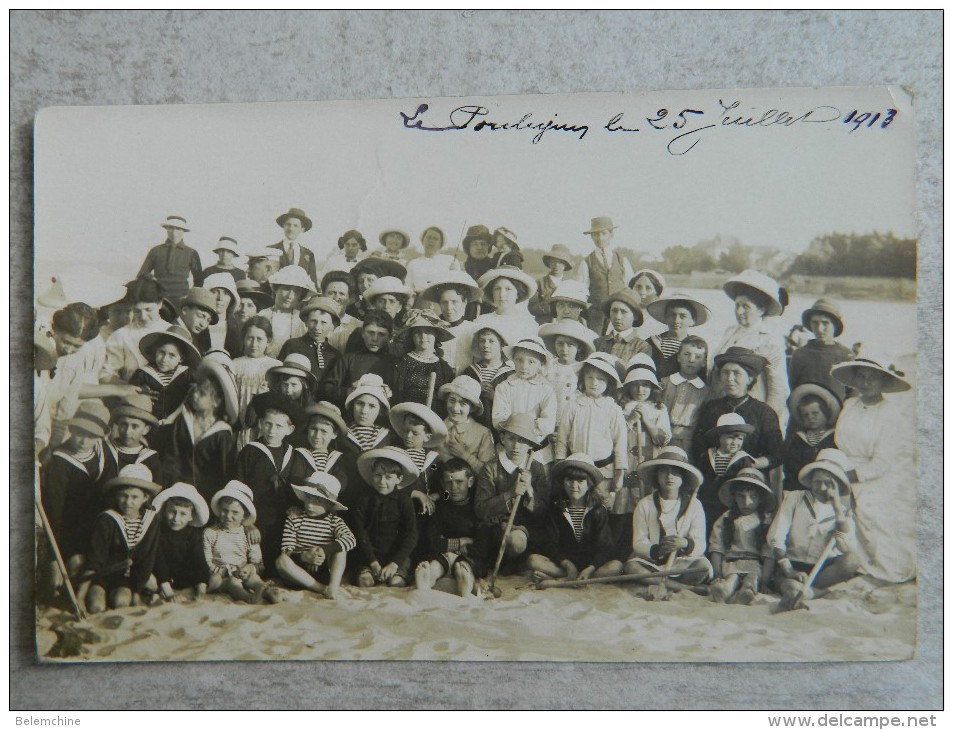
(133, 529)
(487, 373)
(229, 548)
(320, 459)
(575, 518)
(815, 437)
(303, 532)
(418, 456)
(721, 462)
(669, 345)
(166, 377)
(366, 436)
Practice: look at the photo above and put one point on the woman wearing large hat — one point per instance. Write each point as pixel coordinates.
(507, 290)
(757, 298)
(738, 371)
(452, 294)
(292, 287)
(874, 431)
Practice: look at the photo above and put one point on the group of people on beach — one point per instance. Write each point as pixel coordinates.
(377, 419)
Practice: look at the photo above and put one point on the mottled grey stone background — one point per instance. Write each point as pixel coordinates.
(158, 57)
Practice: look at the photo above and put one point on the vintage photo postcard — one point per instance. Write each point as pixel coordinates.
(596, 377)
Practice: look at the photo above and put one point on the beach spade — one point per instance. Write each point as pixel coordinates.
(797, 601)
(491, 584)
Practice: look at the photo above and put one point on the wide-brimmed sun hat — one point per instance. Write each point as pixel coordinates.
(530, 344)
(420, 319)
(670, 456)
(641, 360)
(175, 221)
(603, 366)
(491, 323)
(748, 476)
(181, 490)
(251, 289)
(322, 485)
(201, 298)
(294, 213)
(559, 252)
(292, 276)
(658, 281)
(136, 405)
(92, 417)
(600, 223)
(438, 429)
(226, 243)
(379, 267)
(219, 368)
(846, 373)
(222, 281)
(580, 461)
(295, 364)
(241, 493)
(571, 291)
(508, 235)
(640, 374)
(631, 300)
(404, 237)
(572, 329)
(658, 308)
(804, 390)
(728, 423)
(329, 412)
(828, 309)
(465, 387)
(388, 285)
(476, 233)
(365, 464)
(751, 361)
(833, 461)
(370, 384)
(274, 401)
(523, 425)
(321, 304)
(174, 333)
(133, 475)
(452, 280)
(751, 280)
(525, 284)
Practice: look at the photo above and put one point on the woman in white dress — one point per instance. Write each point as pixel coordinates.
(877, 431)
(433, 266)
(506, 290)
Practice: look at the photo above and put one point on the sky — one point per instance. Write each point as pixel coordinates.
(106, 177)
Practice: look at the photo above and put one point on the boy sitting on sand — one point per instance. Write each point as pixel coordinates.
(449, 535)
(421, 431)
(180, 558)
(384, 519)
(316, 541)
(234, 562)
(807, 521)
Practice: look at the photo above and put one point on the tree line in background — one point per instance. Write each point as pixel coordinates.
(835, 254)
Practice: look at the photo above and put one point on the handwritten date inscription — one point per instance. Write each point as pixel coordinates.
(682, 129)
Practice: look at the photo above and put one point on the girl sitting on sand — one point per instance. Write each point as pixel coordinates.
(738, 549)
(235, 563)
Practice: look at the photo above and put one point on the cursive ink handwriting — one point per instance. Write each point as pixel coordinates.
(465, 117)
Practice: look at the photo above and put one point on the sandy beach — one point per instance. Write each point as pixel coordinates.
(857, 622)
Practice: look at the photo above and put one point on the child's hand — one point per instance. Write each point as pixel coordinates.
(427, 503)
(572, 572)
(246, 571)
(586, 572)
(253, 534)
(672, 543)
(388, 571)
(604, 495)
(315, 556)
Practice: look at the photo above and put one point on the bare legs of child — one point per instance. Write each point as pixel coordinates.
(118, 598)
(430, 571)
(843, 567)
(249, 588)
(293, 573)
(543, 568)
(634, 567)
(735, 588)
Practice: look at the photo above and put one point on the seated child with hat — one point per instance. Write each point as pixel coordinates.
(126, 444)
(488, 366)
(291, 286)
(366, 410)
(69, 486)
(570, 342)
(527, 390)
(323, 426)
(235, 563)
(513, 478)
(171, 361)
(424, 332)
(679, 312)
(122, 545)
(810, 520)
(466, 439)
(320, 315)
(723, 460)
(624, 313)
(180, 558)
(421, 431)
(814, 410)
(449, 536)
(293, 378)
(383, 518)
(316, 541)
(741, 559)
(668, 526)
(576, 542)
(265, 465)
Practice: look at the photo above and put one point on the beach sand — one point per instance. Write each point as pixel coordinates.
(858, 621)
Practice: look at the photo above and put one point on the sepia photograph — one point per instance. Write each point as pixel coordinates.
(592, 377)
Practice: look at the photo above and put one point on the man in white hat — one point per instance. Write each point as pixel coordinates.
(294, 223)
(172, 262)
(604, 271)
